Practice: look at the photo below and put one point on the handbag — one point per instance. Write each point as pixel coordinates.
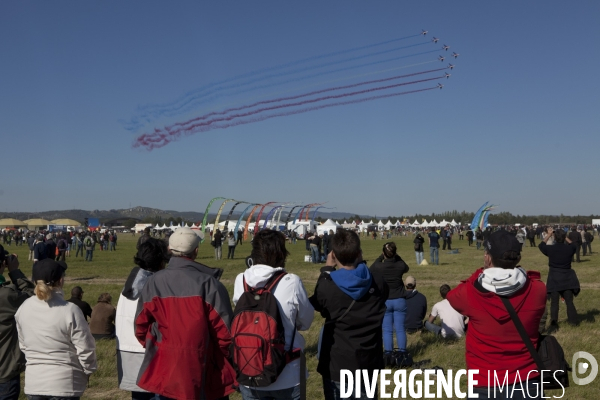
(549, 356)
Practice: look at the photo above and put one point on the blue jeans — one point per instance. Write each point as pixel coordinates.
(434, 255)
(314, 251)
(112, 246)
(89, 254)
(10, 389)
(436, 329)
(394, 319)
(531, 389)
(292, 393)
(419, 255)
(331, 390)
(79, 249)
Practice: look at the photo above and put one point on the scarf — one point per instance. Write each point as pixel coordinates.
(503, 282)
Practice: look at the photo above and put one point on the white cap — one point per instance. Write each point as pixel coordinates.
(184, 240)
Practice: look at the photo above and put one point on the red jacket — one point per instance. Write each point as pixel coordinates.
(493, 342)
(183, 320)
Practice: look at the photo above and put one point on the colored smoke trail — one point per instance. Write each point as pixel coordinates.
(154, 142)
(195, 104)
(178, 131)
(321, 83)
(280, 99)
(191, 101)
(264, 70)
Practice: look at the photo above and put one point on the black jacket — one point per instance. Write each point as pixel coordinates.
(84, 306)
(560, 274)
(391, 271)
(419, 240)
(356, 341)
(416, 309)
(12, 295)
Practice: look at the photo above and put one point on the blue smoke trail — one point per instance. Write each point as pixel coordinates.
(183, 106)
(261, 71)
(219, 95)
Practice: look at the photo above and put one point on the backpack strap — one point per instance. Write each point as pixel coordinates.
(519, 325)
(274, 280)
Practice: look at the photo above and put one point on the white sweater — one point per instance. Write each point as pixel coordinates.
(294, 308)
(58, 345)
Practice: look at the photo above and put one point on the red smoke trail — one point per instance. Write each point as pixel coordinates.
(160, 139)
(280, 99)
(178, 131)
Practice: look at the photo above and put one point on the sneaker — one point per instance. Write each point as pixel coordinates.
(404, 359)
(389, 359)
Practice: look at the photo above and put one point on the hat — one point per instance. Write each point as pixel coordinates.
(410, 280)
(184, 240)
(501, 242)
(48, 270)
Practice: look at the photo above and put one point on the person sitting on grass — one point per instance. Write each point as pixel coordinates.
(453, 324)
(416, 306)
(102, 323)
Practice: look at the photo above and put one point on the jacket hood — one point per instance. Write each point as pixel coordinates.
(258, 275)
(492, 303)
(135, 282)
(354, 282)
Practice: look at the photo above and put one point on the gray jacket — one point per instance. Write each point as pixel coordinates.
(12, 295)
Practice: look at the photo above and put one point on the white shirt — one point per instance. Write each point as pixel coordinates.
(294, 308)
(453, 323)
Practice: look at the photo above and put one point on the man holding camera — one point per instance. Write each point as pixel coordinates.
(12, 295)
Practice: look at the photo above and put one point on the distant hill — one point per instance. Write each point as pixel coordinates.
(140, 213)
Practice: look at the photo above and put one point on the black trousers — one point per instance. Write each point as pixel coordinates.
(532, 242)
(571, 310)
(578, 247)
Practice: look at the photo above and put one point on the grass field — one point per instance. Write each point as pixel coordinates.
(108, 271)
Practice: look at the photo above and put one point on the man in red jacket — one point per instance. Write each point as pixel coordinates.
(183, 320)
(493, 344)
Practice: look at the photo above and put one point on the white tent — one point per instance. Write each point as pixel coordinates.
(345, 222)
(380, 224)
(453, 223)
(425, 224)
(416, 223)
(328, 225)
(434, 223)
(388, 225)
(444, 222)
(398, 223)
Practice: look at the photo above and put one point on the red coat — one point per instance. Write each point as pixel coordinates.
(493, 342)
(183, 321)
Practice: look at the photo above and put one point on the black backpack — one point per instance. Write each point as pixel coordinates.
(258, 336)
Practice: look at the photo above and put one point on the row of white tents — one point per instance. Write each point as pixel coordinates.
(326, 226)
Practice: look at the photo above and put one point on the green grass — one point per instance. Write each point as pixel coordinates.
(108, 271)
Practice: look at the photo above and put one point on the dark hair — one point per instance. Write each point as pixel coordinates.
(77, 291)
(268, 248)
(509, 260)
(389, 250)
(147, 229)
(151, 255)
(345, 245)
(444, 289)
(559, 236)
(104, 298)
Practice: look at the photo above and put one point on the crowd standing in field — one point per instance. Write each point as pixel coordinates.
(167, 352)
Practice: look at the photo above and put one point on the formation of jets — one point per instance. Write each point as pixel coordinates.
(450, 66)
(441, 58)
(447, 75)
(445, 47)
(455, 55)
(435, 40)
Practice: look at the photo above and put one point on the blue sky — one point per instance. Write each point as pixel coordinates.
(516, 123)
